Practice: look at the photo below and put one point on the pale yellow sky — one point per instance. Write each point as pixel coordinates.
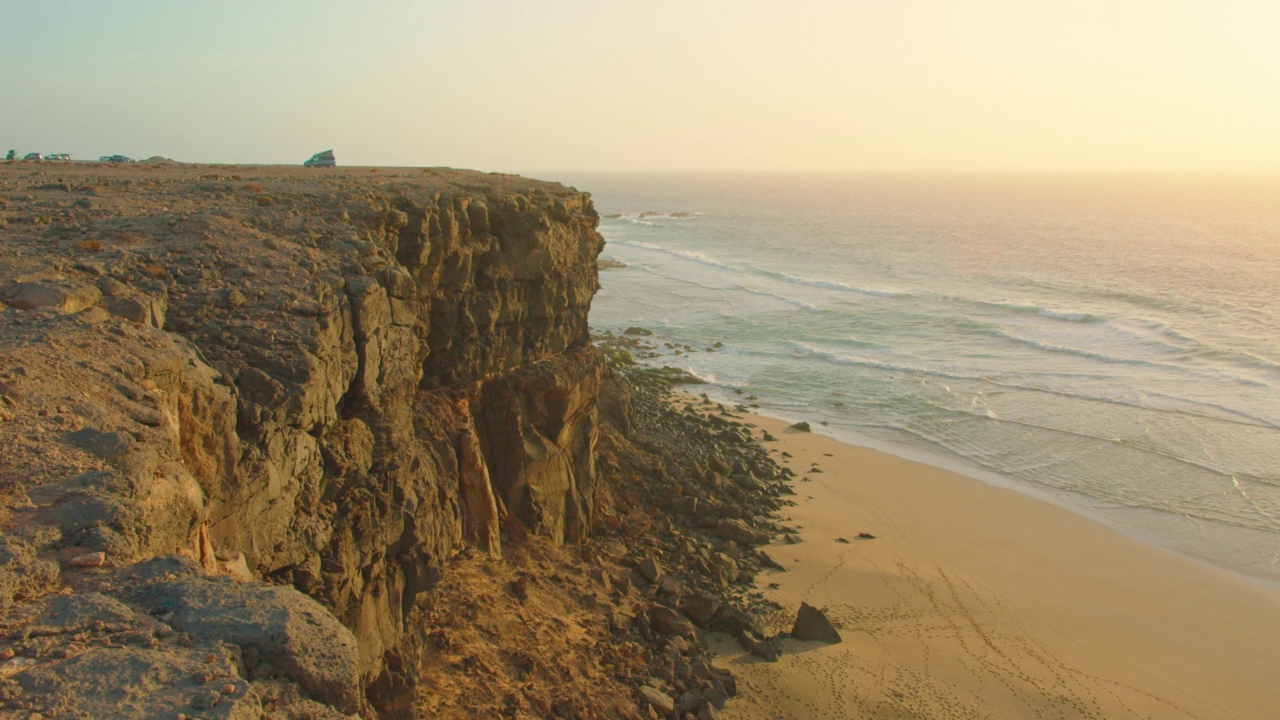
(659, 85)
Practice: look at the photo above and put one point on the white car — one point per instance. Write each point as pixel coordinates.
(57, 156)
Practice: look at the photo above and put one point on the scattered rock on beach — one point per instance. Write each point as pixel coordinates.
(734, 620)
(769, 648)
(658, 700)
(812, 624)
(669, 622)
(699, 607)
(739, 532)
(801, 426)
(767, 561)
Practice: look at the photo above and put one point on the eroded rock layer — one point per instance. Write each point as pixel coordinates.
(327, 380)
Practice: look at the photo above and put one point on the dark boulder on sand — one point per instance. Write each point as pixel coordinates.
(812, 624)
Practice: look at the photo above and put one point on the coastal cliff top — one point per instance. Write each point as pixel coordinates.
(18, 176)
(247, 263)
(71, 216)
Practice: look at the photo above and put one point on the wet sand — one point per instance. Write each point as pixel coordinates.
(975, 601)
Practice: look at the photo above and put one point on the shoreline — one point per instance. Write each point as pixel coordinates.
(976, 600)
(959, 466)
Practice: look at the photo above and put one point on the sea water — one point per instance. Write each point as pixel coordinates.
(1111, 342)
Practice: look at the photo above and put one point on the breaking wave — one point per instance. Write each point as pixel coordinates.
(832, 285)
(1044, 312)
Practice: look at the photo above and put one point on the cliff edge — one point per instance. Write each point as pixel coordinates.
(332, 381)
(318, 444)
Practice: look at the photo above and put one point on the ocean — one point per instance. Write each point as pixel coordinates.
(1108, 343)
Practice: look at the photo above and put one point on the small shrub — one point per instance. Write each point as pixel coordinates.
(155, 271)
(90, 244)
(254, 188)
(266, 200)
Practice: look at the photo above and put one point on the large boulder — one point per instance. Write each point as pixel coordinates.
(140, 683)
(812, 624)
(286, 628)
(61, 297)
(671, 623)
(739, 532)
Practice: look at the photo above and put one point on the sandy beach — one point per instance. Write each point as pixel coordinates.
(975, 601)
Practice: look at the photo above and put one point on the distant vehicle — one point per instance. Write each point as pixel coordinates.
(13, 155)
(115, 159)
(57, 156)
(33, 156)
(321, 159)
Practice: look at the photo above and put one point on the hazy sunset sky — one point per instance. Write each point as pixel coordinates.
(601, 85)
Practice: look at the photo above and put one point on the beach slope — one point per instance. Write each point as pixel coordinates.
(974, 601)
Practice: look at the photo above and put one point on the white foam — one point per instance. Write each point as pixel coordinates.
(1034, 309)
(639, 244)
(1065, 315)
(704, 259)
(838, 359)
(697, 257)
(764, 293)
(833, 285)
(691, 255)
(1052, 347)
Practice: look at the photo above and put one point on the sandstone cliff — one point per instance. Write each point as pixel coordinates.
(332, 381)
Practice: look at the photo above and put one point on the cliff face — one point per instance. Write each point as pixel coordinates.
(331, 382)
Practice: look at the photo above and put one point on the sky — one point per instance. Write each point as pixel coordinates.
(740, 85)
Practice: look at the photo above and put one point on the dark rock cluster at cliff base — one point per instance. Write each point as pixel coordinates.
(694, 498)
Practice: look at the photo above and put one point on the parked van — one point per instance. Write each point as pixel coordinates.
(321, 159)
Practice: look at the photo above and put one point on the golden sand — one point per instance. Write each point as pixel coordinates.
(975, 601)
